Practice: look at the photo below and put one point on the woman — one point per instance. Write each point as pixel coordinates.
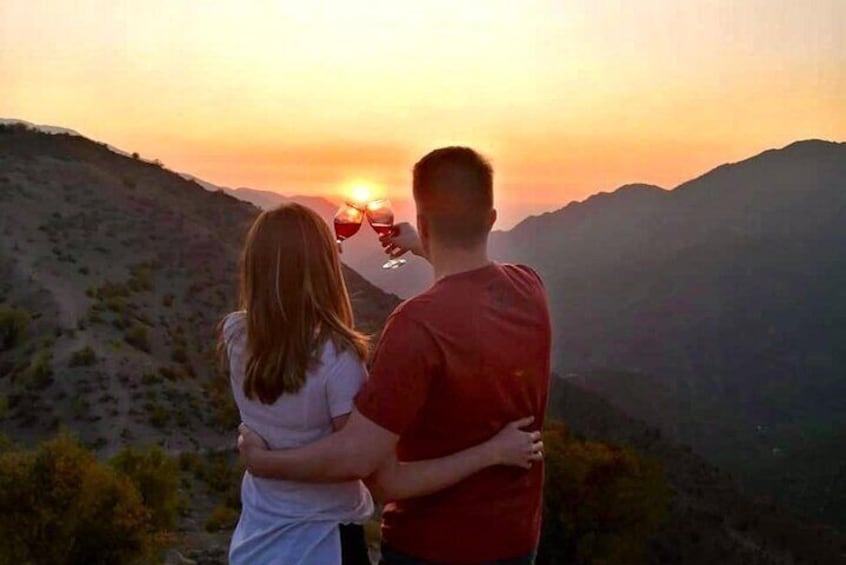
(296, 364)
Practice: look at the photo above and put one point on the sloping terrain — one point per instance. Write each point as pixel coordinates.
(118, 271)
(709, 521)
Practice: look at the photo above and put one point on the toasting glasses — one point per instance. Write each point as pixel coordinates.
(379, 214)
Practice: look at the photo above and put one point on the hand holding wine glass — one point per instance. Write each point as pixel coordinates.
(381, 218)
(402, 239)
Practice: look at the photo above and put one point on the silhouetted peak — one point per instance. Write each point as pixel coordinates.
(627, 196)
(639, 188)
(813, 145)
(805, 153)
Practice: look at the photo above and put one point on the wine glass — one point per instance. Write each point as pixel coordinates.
(381, 218)
(347, 221)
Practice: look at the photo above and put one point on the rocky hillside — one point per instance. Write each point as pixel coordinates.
(113, 274)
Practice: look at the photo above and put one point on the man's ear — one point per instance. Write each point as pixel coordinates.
(491, 218)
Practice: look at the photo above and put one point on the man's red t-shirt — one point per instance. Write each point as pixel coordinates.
(454, 365)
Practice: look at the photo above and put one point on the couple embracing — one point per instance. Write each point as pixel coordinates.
(443, 430)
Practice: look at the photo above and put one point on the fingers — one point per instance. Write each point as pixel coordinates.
(537, 448)
(536, 455)
(522, 422)
(392, 250)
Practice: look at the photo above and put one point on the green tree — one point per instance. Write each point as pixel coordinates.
(156, 475)
(61, 506)
(602, 503)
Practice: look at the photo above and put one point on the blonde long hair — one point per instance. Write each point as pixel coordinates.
(295, 299)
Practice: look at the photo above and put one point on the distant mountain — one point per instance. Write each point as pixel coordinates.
(267, 199)
(361, 252)
(720, 307)
(113, 275)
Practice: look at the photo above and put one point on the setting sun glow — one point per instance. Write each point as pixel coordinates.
(565, 98)
(361, 193)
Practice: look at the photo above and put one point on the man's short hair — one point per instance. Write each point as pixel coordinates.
(453, 188)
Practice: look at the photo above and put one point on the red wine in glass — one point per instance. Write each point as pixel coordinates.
(347, 222)
(382, 229)
(381, 218)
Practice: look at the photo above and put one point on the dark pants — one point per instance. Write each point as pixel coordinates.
(353, 545)
(391, 557)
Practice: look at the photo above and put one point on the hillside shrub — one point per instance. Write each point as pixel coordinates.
(61, 506)
(84, 357)
(178, 354)
(39, 373)
(112, 290)
(80, 407)
(136, 336)
(602, 503)
(116, 304)
(156, 476)
(141, 277)
(13, 325)
(159, 416)
(222, 518)
(150, 379)
(170, 373)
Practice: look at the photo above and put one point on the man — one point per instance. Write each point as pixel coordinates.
(454, 365)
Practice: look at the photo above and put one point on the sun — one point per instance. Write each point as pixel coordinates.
(361, 192)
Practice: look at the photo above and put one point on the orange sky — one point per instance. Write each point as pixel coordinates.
(566, 97)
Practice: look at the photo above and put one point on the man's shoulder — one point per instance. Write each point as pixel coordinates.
(521, 271)
(412, 310)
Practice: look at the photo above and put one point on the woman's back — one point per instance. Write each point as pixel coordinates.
(301, 513)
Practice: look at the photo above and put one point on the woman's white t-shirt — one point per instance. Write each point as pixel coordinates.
(286, 521)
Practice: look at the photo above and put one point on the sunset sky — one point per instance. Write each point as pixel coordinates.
(567, 98)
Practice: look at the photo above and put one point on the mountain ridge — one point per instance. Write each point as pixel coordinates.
(725, 295)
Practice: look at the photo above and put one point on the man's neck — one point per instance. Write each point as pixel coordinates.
(451, 261)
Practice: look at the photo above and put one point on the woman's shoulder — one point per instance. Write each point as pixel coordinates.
(335, 358)
(234, 324)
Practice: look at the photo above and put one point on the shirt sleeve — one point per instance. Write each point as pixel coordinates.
(343, 383)
(234, 326)
(400, 374)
